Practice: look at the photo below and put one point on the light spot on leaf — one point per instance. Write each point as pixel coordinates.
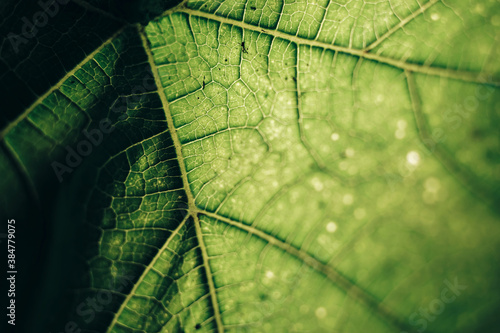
(400, 133)
(348, 199)
(317, 184)
(413, 158)
(320, 312)
(331, 227)
(432, 184)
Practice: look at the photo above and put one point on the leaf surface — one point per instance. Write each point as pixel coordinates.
(272, 166)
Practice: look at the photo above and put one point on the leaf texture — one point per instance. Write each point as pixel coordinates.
(272, 166)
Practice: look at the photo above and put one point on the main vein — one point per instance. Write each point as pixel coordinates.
(193, 210)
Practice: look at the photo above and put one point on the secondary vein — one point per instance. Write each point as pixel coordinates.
(340, 280)
(467, 76)
(40, 99)
(146, 271)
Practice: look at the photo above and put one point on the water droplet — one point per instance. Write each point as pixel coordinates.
(434, 16)
(402, 124)
(320, 312)
(269, 274)
(298, 327)
(331, 227)
(413, 158)
(348, 199)
(432, 184)
(335, 136)
(317, 184)
(349, 152)
(276, 294)
(400, 133)
(304, 308)
(479, 8)
(429, 197)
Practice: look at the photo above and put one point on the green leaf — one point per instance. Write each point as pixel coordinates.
(253, 166)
